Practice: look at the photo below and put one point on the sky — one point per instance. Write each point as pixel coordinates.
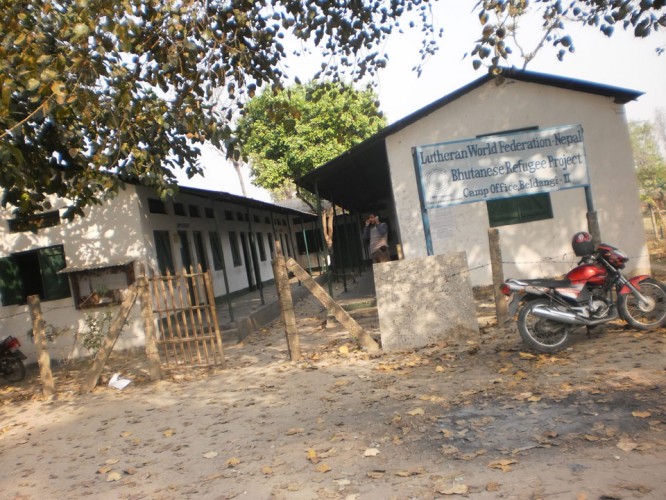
(621, 61)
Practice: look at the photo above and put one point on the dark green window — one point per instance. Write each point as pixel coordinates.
(179, 209)
(34, 222)
(235, 253)
(308, 243)
(33, 273)
(200, 251)
(163, 251)
(271, 248)
(262, 248)
(517, 210)
(216, 248)
(156, 206)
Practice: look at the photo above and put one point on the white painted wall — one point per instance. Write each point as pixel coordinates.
(108, 233)
(122, 230)
(540, 248)
(276, 224)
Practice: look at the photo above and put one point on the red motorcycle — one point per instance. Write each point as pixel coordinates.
(11, 360)
(593, 293)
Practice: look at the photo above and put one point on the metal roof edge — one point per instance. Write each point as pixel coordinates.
(620, 95)
(234, 198)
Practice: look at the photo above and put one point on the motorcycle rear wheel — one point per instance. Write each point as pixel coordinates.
(541, 334)
(645, 316)
(12, 370)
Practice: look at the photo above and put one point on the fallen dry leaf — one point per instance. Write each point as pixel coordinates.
(449, 450)
(126, 434)
(233, 462)
(312, 456)
(322, 468)
(168, 432)
(371, 452)
(636, 487)
(641, 414)
(447, 433)
(627, 446)
(114, 476)
(416, 411)
(504, 465)
(376, 474)
(267, 470)
(411, 472)
(493, 486)
(522, 396)
(210, 454)
(453, 489)
(294, 430)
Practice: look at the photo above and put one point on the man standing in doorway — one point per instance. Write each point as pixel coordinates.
(375, 234)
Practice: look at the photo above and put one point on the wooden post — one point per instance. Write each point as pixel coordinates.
(340, 314)
(149, 327)
(208, 281)
(43, 357)
(109, 341)
(286, 304)
(498, 275)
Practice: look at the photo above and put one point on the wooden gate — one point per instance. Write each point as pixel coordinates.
(189, 334)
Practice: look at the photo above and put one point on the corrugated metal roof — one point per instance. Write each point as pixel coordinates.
(95, 266)
(359, 177)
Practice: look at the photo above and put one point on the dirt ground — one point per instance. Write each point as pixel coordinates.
(481, 419)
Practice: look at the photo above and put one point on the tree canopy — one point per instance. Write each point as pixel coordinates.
(649, 162)
(94, 93)
(500, 21)
(286, 134)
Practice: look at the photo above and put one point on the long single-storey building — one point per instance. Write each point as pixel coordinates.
(78, 268)
(536, 156)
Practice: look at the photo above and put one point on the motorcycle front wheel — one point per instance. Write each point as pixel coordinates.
(541, 334)
(648, 314)
(12, 370)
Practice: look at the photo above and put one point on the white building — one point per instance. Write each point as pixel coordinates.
(78, 268)
(489, 156)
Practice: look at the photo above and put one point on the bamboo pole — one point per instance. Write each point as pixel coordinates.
(340, 314)
(211, 302)
(109, 341)
(498, 275)
(286, 303)
(43, 357)
(148, 318)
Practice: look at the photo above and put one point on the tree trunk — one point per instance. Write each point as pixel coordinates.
(327, 217)
(237, 165)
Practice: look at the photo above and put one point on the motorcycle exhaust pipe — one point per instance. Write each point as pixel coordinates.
(570, 318)
(560, 316)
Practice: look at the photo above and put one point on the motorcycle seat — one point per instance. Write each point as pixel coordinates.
(548, 283)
